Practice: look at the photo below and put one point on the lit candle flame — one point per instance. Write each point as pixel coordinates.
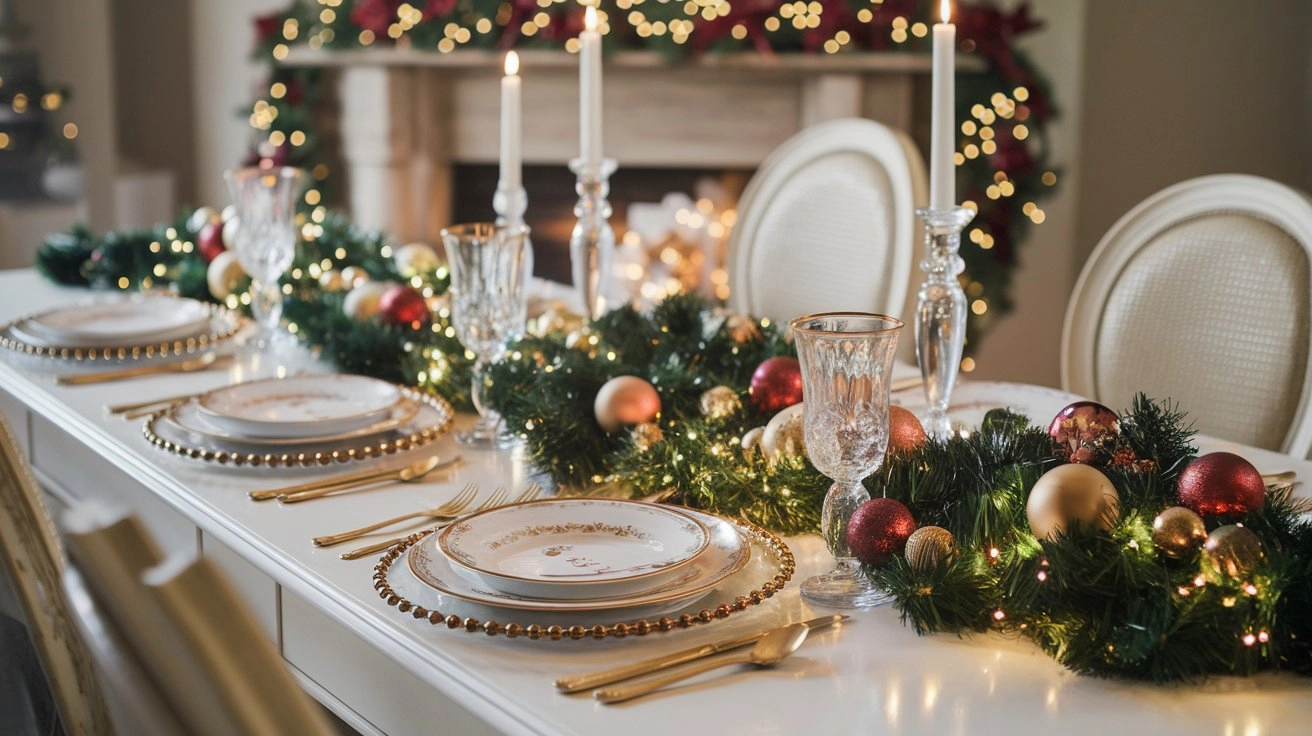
(590, 18)
(512, 63)
(945, 10)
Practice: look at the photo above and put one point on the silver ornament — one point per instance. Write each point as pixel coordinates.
(1233, 550)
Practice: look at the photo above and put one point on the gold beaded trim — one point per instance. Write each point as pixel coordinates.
(232, 324)
(236, 459)
(783, 557)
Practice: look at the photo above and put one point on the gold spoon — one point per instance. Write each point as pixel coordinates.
(769, 650)
(147, 369)
(413, 471)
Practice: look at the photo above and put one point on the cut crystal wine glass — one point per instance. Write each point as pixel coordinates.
(847, 361)
(265, 200)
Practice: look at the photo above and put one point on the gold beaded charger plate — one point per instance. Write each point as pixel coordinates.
(574, 548)
(429, 422)
(200, 328)
(768, 570)
(189, 418)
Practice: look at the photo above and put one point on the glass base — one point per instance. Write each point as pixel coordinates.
(486, 434)
(937, 425)
(846, 586)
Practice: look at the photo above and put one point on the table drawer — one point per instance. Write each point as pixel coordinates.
(257, 589)
(82, 475)
(374, 686)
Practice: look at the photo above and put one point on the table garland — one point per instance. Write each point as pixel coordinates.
(1107, 602)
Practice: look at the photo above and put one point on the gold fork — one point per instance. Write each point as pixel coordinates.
(447, 510)
(529, 493)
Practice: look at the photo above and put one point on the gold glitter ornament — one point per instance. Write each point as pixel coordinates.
(742, 329)
(1178, 532)
(646, 435)
(1233, 550)
(720, 402)
(332, 280)
(929, 545)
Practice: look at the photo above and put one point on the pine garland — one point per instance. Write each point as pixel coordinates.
(1104, 604)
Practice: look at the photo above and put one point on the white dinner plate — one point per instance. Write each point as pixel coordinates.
(574, 548)
(189, 418)
(727, 553)
(139, 321)
(299, 407)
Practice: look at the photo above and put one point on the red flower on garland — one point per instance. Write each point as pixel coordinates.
(375, 15)
(266, 26)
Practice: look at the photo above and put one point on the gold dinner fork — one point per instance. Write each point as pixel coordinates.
(448, 510)
(532, 491)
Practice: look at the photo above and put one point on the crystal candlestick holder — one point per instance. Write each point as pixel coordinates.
(941, 313)
(510, 204)
(592, 244)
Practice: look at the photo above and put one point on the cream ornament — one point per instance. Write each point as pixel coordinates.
(354, 276)
(752, 439)
(785, 433)
(362, 301)
(332, 280)
(416, 258)
(229, 234)
(200, 217)
(223, 275)
(1070, 495)
(228, 212)
(624, 401)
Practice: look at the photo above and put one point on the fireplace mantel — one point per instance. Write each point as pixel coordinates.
(407, 117)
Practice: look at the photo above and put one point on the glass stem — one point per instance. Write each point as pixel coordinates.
(840, 502)
(266, 304)
(489, 420)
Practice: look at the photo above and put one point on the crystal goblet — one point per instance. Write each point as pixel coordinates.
(487, 306)
(265, 243)
(847, 361)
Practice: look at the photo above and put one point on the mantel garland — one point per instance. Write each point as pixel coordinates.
(1003, 157)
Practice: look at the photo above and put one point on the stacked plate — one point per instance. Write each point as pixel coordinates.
(581, 554)
(301, 416)
(151, 322)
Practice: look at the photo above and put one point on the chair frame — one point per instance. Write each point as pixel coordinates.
(891, 149)
(1282, 206)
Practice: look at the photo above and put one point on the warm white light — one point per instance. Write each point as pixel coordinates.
(945, 10)
(590, 19)
(512, 63)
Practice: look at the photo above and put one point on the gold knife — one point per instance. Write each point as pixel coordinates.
(341, 482)
(605, 677)
(146, 369)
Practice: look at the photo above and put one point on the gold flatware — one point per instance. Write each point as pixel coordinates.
(646, 667)
(342, 482)
(496, 499)
(1276, 479)
(180, 366)
(448, 510)
(127, 409)
(768, 651)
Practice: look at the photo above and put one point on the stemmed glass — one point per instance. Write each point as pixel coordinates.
(487, 306)
(266, 236)
(847, 360)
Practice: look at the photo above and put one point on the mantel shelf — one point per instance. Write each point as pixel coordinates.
(887, 62)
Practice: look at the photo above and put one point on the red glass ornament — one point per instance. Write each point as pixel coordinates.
(878, 530)
(1222, 484)
(905, 432)
(209, 241)
(1083, 428)
(776, 385)
(403, 305)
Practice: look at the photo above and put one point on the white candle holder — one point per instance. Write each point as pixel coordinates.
(941, 313)
(592, 243)
(510, 204)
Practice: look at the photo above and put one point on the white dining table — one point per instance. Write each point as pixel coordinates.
(383, 671)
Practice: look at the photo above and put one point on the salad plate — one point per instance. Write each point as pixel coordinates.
(299, 407)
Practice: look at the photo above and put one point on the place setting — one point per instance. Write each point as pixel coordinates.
(305, 421)
(125, 337)
(567, 566)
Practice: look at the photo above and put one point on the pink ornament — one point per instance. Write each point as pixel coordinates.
(776, 385)
(905, 432)
(625, 401)
(1083, 429)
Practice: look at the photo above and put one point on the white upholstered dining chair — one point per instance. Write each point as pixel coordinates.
(828, 223)
(1202, 294)
(31, 564)
(179, 650)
